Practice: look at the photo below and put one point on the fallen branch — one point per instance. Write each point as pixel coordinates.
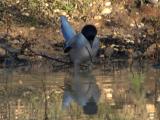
(49, 57)
(10, 49)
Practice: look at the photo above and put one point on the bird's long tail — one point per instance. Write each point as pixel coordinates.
(67, 30)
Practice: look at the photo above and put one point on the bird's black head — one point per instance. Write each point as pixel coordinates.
(90, 108)
(89, 31)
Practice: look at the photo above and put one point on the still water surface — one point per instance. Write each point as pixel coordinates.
(108, 92)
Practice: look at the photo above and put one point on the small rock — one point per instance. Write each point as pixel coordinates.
(108, 20)
(108, 4)
(20, 32)
(32, 28)
(20, 82)
(40, 57)
(132, 25)
(140, 25)
(56, 11)
(101, 56)
(106, 11)
(98, 17)
(94, 3)
(91, 4)
(63, 13)
(130, 41)
(26, 14)
(129, 36)
(114, 33)
(46, 4)
(113, 45)
(17, 2)
(144, 36)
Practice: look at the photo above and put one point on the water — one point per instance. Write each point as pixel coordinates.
(112, 92)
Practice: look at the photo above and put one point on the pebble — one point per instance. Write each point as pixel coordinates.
(98, 17)
(46, 4)
(17, 2)
(26, 14)
(32, 28)
(106, 11)
(132, 25)
(108, 4)
(130, 41)
(91, 4)
(140, 25)
(56, 11)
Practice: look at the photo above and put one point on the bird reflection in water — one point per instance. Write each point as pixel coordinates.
(82, 89)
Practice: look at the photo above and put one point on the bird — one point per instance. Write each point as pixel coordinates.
(82, 46)
(84, 91)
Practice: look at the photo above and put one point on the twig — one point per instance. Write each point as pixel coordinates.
(49, 57)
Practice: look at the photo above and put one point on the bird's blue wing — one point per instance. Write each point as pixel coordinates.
(81, 41)
(67, 30)
(78, 41)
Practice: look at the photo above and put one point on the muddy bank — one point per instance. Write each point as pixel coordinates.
(126, 31)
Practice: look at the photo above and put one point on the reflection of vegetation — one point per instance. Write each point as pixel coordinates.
(32, 101)
(107, 112)
(134, 111)
(136, 82)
